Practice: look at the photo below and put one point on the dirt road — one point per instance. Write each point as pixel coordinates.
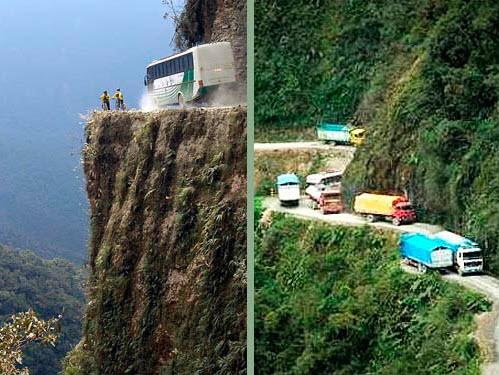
(305, 212)
(487, 333)
(299, 146)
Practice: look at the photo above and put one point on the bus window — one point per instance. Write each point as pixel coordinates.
(190, 62)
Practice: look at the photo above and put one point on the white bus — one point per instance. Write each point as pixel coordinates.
(190, 75)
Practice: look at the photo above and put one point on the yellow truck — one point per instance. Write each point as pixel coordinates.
(397, 208)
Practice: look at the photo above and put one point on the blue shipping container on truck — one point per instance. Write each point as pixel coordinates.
(428, 251)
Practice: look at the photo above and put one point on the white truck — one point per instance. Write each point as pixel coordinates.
(288, 189)
(317, 182)
(324, 191)
(466, 253)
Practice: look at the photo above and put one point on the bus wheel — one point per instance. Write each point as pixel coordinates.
(370, 218)
(181, 101)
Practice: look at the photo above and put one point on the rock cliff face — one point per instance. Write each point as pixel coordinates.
(209, 21)
(229, 24)
(167, 194)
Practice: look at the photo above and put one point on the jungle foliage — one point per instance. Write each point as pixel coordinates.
(49, 288)
(422, 76)
(334, 300)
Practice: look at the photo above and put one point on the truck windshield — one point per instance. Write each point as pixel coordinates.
(405, 207)
(472, 255)
(331, 197)
(331, 180)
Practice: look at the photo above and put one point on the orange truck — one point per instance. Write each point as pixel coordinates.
(374, 207)
(330, 201)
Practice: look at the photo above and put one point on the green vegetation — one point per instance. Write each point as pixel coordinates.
(285, 134)
(49, 288)
(20, 330)
(334, 300)
(422, 76)
(167, 288)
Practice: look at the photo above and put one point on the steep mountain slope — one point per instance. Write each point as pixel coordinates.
(168, 243)
(421, 75)
(49, 288)
(334, 300)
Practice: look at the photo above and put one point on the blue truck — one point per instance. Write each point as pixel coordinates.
(466, 253)
(425, 252)
(331, 133)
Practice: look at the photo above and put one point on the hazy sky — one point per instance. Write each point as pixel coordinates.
(56, 58)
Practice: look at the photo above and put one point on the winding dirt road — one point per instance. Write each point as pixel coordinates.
(487, 333)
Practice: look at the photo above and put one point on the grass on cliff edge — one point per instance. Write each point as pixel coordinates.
(334, 300)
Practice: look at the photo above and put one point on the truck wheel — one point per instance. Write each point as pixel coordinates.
(370, 218)
(422, 268)
(396, 221)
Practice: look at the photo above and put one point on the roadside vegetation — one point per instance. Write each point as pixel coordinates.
(48, 288)
(285, 134)
(335, 300)
(422, 77)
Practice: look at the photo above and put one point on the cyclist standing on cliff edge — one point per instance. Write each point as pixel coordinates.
(120, 104)
(105, 101)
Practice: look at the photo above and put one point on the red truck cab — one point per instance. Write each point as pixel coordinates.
(330, 201)
(403, 212)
